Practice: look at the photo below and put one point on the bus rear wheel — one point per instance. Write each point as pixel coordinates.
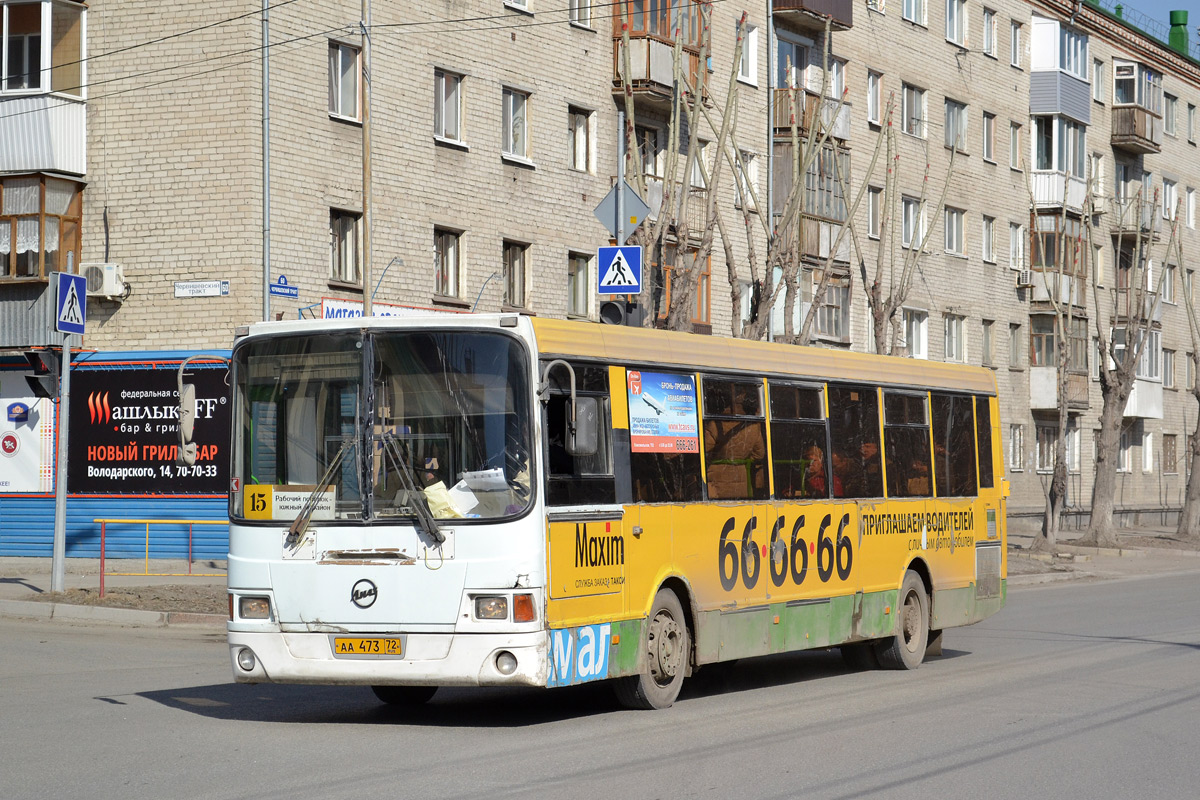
(404, 695)
(665, 652)
(906, 649)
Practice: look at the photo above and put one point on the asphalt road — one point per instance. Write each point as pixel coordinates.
(1086, 690)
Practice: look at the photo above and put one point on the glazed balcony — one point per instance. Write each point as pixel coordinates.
(1054, 190)
(806, 109)
(811, 14)
(1043, 389)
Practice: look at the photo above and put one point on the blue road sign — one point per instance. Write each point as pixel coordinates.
(620, 269)
(71, 303)
(281, 288)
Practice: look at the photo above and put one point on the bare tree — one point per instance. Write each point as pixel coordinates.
(1188, 527)
(1122, 335)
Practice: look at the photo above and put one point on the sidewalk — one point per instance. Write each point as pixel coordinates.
(163, 593)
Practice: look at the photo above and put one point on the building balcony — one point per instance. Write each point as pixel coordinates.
(652, 69)
(817, 237)
(811, 14)
(1146, 400)
(1057, 190)
(1136, 130)
(1125, 305)
(697, 204)
(804, 109)
(1051, 287)
(1043, 389)
(1134, 216)
(43, 133)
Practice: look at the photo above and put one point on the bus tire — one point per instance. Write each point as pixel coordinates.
(404, 695)
(666, 649)
(906, 649)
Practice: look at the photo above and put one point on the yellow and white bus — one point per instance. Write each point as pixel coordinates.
(498, 500)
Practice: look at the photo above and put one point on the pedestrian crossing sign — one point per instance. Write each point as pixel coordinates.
(620, 269)
(71, 303)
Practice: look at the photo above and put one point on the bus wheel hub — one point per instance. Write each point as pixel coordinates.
(665, 645)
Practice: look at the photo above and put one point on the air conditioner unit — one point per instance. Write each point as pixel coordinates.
(105, 280)
(1024, 278)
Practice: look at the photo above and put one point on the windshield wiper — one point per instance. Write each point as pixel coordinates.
(420, 505)
(300, 524)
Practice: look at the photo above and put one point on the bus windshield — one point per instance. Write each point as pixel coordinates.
(434, 422)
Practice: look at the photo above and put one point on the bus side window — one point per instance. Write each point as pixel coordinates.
(735, 440)
(799, 447)
(578, 480)
(954, 445)
(906, 445)
(983, 426)
(854, 437)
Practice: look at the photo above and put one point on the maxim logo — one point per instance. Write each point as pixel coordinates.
(598, 551)
(98, 408)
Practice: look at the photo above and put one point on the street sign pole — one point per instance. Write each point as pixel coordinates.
(620, 178)
(58, 565)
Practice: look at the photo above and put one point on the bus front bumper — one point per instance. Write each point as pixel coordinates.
(477, 659)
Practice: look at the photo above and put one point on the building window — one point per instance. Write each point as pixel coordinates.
(956, 338)
(1191, 122)
(989, 137)
(1015, 44)
(578, 284)
(913, 111)
(955, 222)
(579, 12)
(874, 211)
(792, 60)
(913, 222)
(1016, 447)
(1041, 341)
(1170, 103)
(579, 138)
(40, 221)
(1014, 345)
(344, 84)
(833, 314)
(1170, 198)
(514, 273)
(447, 267)
(703, 284)
(1073, 52)
(1168, 283)
(837, 78)
(956, 124)
(516, 139)
(1016, 246)
(822, 188)
(1191, 207)
(986, 345)
(916, 333)
(748, 66)
(1014, 145)
(649, 152)
(874, 97)
(914, 11)
(447, 106)
(989, 239)
(1189, 372)
(1168, 370)
(989, 32)
(1147, 451)
(956, 22)
(23, 38)
(1170, 453)
(1098, 80)
(1047, 437)
(745, 188)
(344, 254)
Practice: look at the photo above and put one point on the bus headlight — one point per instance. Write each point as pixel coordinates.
(254, 608)
(491, 607)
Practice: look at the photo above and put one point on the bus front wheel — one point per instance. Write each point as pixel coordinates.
(404, 695)
(906, 649)
(665, 651)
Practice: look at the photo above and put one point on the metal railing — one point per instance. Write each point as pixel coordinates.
(104, 523)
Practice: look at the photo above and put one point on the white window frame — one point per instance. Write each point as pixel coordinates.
(913, 99)
(874, 97)
(956, 22)
(989, 137)
(745, 187)
(1097, 80)
(987, 343)
(338, 54)
(914, 11)
(1191, 207)
(1168, 284)
(1016, 447)
(579, 139)
(1014, 50)
(874, 211)
(837, 77)
(579, 13)
(1047, 435)
(956, 124)
(1191, 122)
(833, 315)
(1123, 450)
(447, 106)
(515, 124)
(1147, 451)
(1073, 52)
(1170, 198)
(1016, 246)
(955, 338)
(954, 220)
(915, 328)
(447, 262)
(1170, 112)
(988, 240)
(989, 32)
(579, 284)
(1015, 348)
(912, 229)
(1014, 145)
(345, 252)
(748, 66)
(1168, 369)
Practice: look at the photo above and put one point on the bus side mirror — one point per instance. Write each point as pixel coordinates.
(187, 423)
(584, 438)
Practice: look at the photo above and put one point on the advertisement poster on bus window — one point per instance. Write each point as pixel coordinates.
(662, 413)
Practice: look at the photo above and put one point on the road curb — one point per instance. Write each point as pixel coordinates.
(128, 617)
